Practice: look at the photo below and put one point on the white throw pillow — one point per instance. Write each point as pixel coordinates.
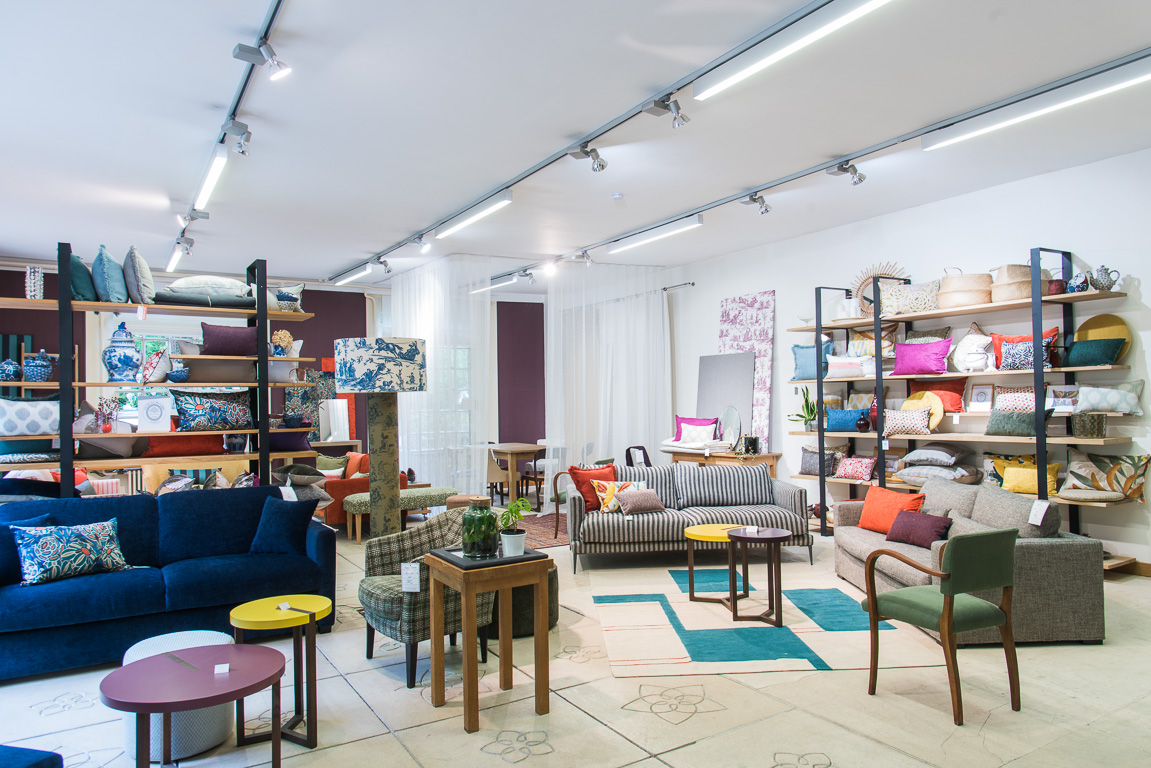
(210, 285)
(691, 433)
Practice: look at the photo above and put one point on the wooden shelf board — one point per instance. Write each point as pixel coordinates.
(249, 358)
(1115, 562)
(34, 384)
(140, 461)
(183, 309)
(975, 437)
(1058, 500)
(101, 435)
(41, 304)
(973, 374)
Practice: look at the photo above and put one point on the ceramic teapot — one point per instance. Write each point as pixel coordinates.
(1103, 279)
(39, 368)
(10, 370)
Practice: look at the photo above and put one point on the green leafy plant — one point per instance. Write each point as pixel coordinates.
(808, 412)
(510, 517)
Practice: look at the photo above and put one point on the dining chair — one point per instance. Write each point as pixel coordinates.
(497, 477)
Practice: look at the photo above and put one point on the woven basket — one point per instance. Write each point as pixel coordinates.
(963, 297)
(1013, 273)
(1017, 289)
(974, 281)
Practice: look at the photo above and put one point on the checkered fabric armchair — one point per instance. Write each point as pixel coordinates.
(406, 616)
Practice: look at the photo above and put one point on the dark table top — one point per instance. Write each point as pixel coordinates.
(760, 535)
(181, 680)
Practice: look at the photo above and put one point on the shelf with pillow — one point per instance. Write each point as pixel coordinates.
(184, 309)
(963, 375)
(979, 437)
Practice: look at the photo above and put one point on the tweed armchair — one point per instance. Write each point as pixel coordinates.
(406, 616)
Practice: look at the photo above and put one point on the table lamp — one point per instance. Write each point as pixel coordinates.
(381, 368)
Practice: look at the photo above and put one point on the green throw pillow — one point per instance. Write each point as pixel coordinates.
(1093, 352)
(331, 462)
(83, 287)
(1013, 423)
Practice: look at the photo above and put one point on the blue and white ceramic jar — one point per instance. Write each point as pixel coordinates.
(39, 368)
(121, 357)
(10, 370)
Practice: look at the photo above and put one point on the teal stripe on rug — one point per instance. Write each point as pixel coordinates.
(832, 610)
(707, 580)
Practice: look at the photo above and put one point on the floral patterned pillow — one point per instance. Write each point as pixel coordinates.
(856, 468)
(906, 422)
(1115, 474)
(59, 552)
(607, 490)
(206, 411)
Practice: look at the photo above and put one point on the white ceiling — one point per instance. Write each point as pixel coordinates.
(397, 114)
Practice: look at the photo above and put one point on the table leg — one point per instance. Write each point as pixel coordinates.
(313, 715)
(357, 519)
(777, 585)
(505, 620)
(297, 676)
(437, 640)
(166, 750)
(239, 636)
(276, 724)
(746, 576)
(691, 569)
(543, 653)
(143, 740)
(731, 569)
(513, 478)
(471, 670)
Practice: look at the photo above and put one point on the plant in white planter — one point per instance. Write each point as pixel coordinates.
(510, 533)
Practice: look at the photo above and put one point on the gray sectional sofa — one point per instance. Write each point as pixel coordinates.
(1058, 592)
(692, 495)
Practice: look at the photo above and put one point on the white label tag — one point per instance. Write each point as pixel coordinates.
(222, 669)
(629, 517)
(955, 418)
(886, 445)
(751, 530)
(56, 444)
(287, 493)
(141, 312)
(1038, 510)
(410, 577)
(283, 607)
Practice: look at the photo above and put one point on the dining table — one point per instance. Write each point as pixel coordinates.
(513, 454)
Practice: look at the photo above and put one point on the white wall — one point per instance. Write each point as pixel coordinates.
(1098, 211)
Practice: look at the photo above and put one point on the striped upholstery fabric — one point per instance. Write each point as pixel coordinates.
(713, 486)
(660, 479)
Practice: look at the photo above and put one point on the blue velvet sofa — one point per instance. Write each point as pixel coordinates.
(190, 552)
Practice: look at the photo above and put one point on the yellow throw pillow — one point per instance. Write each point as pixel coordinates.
(1023, 479)
(606, 490)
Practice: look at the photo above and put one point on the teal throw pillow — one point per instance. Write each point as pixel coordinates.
(108, 278)
(1093, 352)
(805, 359)
(83, 289)
(60, 552)
(1013, 423)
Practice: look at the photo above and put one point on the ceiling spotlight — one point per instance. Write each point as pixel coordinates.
(260, 56)
(241, 145)
(528, 276)
(422, 244)
(387, 267)
(757, 200)
(183, 246)
(848, 169)
(665, 105)
(550, 268)
(583, 151)
(192, 215)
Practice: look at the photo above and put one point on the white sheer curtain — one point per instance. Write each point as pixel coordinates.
(444, 431)
(608, 364)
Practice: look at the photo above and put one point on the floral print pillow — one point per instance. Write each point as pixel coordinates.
(59, 552)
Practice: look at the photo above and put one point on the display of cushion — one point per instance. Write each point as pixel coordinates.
(902, 298)
(9, 556)
(927, 335)
(949, 391)
(202, 410)
(1013, 423)
(210, 285)
(1113, 474)
(681, 420)
(1083, 494)
(847, 367)
(924, 399)
(606, 491)
(59, 552)
(332, 474)
(917, 529)
(998, 340)
(1013, 399)
(175, 483)
(332, 462)
(930, 357)
(83, 288)
(582, 478)
(906, 422)
(970, 352)
(108, 278)
(1020, 355)
(1121, 398)
(1024, 480)
(937, 454)
(156, 368)
(283, 528)
(862, 343)
(805, 360)
(185, 445)
(79, 475)
(30, 415)
(235, 340)
(918, 474)
(809, 462)
(993, 464)
(843, 421)
(297, 292)
(856, 467)
(107, 447)
(280, 440)
(138, 278)
(637, 501)
(1091, 352)
(246, 480)
(203, 300)
(857, 400)
(297, 474)
(880, 506)
(692, 433)
(28, 458)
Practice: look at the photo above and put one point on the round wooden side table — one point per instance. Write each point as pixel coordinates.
(773, 538)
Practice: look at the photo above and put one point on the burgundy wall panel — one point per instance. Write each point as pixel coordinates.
(520, 369)
(43, 326)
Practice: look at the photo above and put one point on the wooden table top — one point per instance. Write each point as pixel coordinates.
(516, 447)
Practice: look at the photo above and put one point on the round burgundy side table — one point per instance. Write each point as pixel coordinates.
(773, 538)
(181, 680)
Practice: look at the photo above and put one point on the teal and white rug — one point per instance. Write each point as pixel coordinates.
(656, 630)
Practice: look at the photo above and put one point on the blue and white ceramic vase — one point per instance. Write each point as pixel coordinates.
(39, 368)
(121, 357)
(10, 370)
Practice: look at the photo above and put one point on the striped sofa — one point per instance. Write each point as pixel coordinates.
(692, 495)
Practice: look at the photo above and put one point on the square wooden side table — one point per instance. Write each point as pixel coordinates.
(469, 582)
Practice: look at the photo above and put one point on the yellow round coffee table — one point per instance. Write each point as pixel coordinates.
(716, 532)
(300, 612)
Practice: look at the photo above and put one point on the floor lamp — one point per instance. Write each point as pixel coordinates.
(381, 368)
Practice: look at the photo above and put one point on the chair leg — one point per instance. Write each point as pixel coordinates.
(948, 642)
(1008, 637)
(810, 555)
(874, 672)
(482, 632)
(411, 652)
(452, 639)
(371, 640)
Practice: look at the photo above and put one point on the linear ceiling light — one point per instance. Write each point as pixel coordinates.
(183, 246)
(487, 207)
(811, 28)
(659, 233)
(215, 168)
(349, 277)
(511, 280)
(583, 151)
(1045, 103)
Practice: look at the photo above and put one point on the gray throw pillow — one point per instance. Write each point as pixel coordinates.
(961, 525)
(138, 277)
(937, 454)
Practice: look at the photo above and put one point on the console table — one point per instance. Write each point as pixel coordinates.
(727, 458)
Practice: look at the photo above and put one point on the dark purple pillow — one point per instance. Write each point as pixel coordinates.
(918, 529)
(283, 440)
(228, 340)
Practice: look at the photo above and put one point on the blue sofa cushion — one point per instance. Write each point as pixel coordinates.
(136, 523)
(283, 527)
(18, 757)
(198, 524)
(95, 597)
(235, 579)
(21, 486)
(9, 555)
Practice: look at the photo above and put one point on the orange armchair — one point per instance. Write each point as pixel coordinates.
(340, 489)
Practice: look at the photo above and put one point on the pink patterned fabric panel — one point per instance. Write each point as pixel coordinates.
(1014, 399)
(747, 324)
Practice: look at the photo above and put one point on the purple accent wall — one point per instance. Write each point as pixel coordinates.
(43, 326)
(520, 371)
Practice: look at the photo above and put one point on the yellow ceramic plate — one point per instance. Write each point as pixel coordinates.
(1106, 327)
(925, 399)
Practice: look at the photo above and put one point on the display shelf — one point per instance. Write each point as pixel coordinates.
(973, 374)
(1114, 562)
(187, 310)
(249, 358)
(1058, 500)
(891, 484)
(976, 437)
(42, 304)
(167, 384)
(142, 461)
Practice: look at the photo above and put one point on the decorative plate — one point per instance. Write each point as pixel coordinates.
(925, 399)
(1106, 327)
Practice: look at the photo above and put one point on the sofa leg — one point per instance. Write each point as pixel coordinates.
(452, 639)
(483, 635)
(810, 555)
(410, 655)
(371, 640)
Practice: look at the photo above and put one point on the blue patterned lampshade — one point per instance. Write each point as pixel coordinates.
(381, 365)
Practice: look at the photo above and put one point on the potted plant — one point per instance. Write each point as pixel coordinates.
(513, 537)
(807, 413)
(480, 528)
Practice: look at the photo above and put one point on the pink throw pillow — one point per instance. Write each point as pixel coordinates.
(856, 468)
(642, 500)
(915, 359)
(681, 420)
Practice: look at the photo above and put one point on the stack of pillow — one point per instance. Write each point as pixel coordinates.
(937, 460)
(902, 518)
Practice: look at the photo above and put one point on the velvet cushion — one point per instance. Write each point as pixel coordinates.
(1025, 479)
(880, 506)
(917, 529)
(137, 520)
(19, 486)
(20, 757)
(138, 278)
(228, 339)
(998, 340)
(1093, 352)
(193, 524)
(234, 579)
(950, 391)
(1013, 423)
(922, 606)
(83, 289)
(9, 557)
(283, 527)
(282, 440)
(61, 552)
(634, 502)
(681, 420)
(97, 597)
(108, 278)
(844, 421)
(912, 359)
(582, 479)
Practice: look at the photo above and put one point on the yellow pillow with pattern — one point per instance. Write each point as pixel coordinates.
(1023, 479)
(607, 490)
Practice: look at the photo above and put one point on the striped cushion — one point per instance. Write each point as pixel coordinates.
(668, 526)
(716, 486)
(660, 479)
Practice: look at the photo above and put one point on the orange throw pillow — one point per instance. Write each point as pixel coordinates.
(880, 506)
(949, 391)
(582, 479)
(998, 340)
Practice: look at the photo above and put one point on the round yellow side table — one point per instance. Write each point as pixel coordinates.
(300, 612)
(714, 532)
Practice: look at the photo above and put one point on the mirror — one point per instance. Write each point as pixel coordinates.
(729, 425)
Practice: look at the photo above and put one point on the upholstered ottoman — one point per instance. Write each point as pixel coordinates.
(524, 610)
(193, 731)
(459, 500)
(19, 757)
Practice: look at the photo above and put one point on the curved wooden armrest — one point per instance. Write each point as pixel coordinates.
(556, 488)
(869, 567)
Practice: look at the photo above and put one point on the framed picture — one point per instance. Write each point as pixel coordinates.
(1062, 397)
(981, 398)
(892, 459)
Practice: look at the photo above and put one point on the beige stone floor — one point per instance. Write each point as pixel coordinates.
(1082, 705)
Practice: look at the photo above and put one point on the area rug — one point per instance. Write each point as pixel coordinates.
(540, 531)
(656, 630)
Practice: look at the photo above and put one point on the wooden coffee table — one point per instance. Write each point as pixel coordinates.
(773, 538)
(177, 681)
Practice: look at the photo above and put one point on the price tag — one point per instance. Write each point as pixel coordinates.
(751, 530)
(629, 517)
(886, 446)
(410, 577)
(283, 607)
(141, 312)
(56, 444)
(222, 669)
(287, 493)
(1038, 510)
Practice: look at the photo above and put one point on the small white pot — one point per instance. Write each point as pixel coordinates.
(513, 543)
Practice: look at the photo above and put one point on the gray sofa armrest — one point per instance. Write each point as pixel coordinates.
(790, 497)
(576, 513)
(848, 513)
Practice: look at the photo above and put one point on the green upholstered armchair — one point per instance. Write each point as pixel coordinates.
(969, 563)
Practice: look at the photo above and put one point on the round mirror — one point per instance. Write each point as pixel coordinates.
(729, 425)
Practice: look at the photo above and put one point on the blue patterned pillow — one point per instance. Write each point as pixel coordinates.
(51, 554)
(206, 411)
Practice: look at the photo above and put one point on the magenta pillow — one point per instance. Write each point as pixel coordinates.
(681, 420)
(918, 529)
(915, 359)
(228, 340)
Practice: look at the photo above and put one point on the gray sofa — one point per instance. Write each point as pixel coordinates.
(692, 495)
(1058, 592)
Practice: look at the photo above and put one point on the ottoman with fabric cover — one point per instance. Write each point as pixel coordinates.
(19, 757)
(193, 731)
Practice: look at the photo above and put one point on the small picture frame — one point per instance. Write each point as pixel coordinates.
(981, 396)
(1062, 398)
(892, 459)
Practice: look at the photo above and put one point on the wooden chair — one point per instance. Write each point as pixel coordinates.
(497, 477)
(556, 498)
(970, 563)
(534, 476)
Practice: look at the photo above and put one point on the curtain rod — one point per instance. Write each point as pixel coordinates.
(667, 288)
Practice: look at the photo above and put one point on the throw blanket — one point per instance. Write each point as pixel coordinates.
(678, 446)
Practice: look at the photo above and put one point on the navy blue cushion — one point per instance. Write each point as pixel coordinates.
(19, 486)
(9, 555)
(283, 527)
(18, 757)
(235, 579)
(95, 597)
(197, 524)
(135, 516)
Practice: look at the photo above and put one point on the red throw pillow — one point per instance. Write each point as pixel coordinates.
(582, 479)
(80, 474)
(880, 506)
(186, 445)
(357, 462)
(949, 391)
(998, 340)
